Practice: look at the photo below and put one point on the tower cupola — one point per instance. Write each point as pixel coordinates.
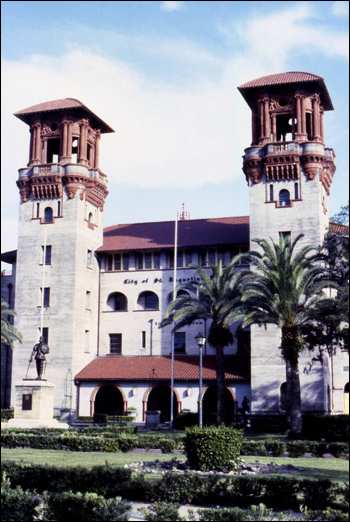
(287, 128)
(63, 152)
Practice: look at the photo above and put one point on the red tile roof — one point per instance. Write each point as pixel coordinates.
(285, 79)
(338, 227)
(192, 232)
(150, 368)
(59, 105)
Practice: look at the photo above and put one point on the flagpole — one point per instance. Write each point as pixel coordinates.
(43, 285)
(173, 334)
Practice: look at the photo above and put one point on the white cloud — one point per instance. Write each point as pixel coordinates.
(171, 6)
(340, 8)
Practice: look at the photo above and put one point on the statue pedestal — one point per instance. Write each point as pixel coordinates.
(34, 405)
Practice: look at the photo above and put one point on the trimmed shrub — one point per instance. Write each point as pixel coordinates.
(339, 449)
(160, 511)
(100, 418)
(333, 428)
(186, 420)
(252, 447)
(85, 507)
(296, 449)
(17, 505)
(6, 414)
(275, 447)
(212, 448)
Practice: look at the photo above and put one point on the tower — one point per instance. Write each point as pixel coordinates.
(62, 192)
(289, 171)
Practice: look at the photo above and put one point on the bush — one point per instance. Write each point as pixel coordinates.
(212, 448)
(17, 505)
(252, 447)
(6, 414)
(85, 507)
(333, 428)
(275, 447)
(186, 420)
(100, 418)
(296, 448)
(339, 449)
(160, 511)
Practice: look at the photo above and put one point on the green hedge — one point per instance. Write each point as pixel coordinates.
(212, 448)
(332, 428)
(6, 414)
(241, 491)
(294, 448)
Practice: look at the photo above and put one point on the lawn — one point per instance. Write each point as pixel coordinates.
(334, 469)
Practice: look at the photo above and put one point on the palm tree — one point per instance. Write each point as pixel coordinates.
(8, 332)
(285, 289)
(215, 297)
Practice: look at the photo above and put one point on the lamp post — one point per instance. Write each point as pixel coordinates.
(200, 339)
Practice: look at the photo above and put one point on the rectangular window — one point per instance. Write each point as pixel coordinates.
(126, 262)
(139, 261)
(211, 257)
(117, 262)
(46, 253)
(188, 257)
(221, 256)
(148, 260)
(109, 263)
(87, 341)
(143, 340)
(45, 299)
(89, 259)
(88, 300)
(156, 260)
(286, 235)
(45, 334)
(180, 342)
(170, 259)
(115, 343)
(202, 256)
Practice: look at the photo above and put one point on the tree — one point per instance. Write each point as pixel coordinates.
(9, 333)
(285, 289)
(343, 215)
(216, 297)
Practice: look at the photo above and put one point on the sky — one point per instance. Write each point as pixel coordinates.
(164, 76)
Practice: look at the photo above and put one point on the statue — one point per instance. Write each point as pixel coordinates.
(39, 351)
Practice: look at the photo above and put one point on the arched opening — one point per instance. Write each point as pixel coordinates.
(180, 293)
(109, 400)
(284, 198)
(148, 301)
(272, 195)
(346, 399)
(58, 208)
(91, 218)
(117, 302)
(48, 215)
(296, 190)
(159, 399)
(210, 402)
(283, 397)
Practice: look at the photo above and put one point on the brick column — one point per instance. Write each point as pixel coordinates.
(267, 125)
(31, 146)
(299, 127)
(303, 117)
(83, 143)
(36, 159)
(316, 117)
(97, 149)
(274, 127)
(69, 141)
(321, 124)
(261, 110)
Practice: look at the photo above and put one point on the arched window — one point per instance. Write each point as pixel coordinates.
(284, 198)
(38, 210)
(117, 302)
(48, 215)
(91, 218)
(296, 190)
(272, 196)
(283, 397)
(58, 208)
(148, 301)
(180, 293)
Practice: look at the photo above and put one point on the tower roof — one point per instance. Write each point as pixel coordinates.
(65, 104)
(300, 79)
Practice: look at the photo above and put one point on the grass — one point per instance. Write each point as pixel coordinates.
(333, 469)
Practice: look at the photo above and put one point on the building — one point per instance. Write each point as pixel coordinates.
(98, 296)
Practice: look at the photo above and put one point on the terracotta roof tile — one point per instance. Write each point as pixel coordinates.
(58, 105)
(150, 368)
(285, 79)
(192, 232)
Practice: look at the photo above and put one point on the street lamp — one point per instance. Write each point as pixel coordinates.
(200, 339)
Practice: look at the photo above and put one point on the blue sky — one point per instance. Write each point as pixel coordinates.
(164, 75)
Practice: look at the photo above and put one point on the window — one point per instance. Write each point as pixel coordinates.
(147, 260)
(90, 218)
(296, 190)
(115, 343)
(38, 210)
(117, 302)
(88, 300)
(58, 208)
(235, 251)
(53, 150)
(284, 198)
(75, 150)
(87, 341)
(48, 215)
(117, 262)
(180, 342)
(46, 254)
(143, 340)
(283, 397)
(286, 236)
(45, 299)
(180, 293)
(126, 262)
(243, 342)
(44, 334)
(148, 301)
(188, 257)
(89, 259)
(272, 195)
